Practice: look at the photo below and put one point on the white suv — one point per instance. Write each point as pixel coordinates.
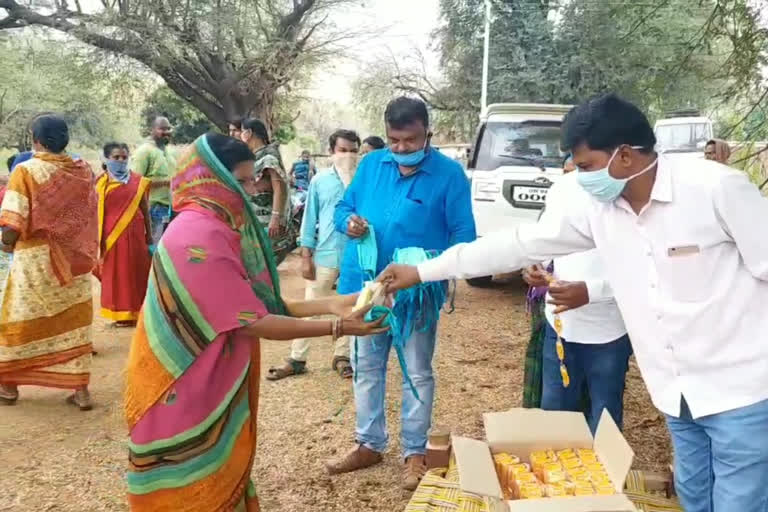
(515, 159)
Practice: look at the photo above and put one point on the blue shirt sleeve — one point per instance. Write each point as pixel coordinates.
(458, 210)
(308, 236)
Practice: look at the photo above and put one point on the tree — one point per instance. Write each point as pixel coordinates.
(46, 77)
(662, 54)
(228, 58)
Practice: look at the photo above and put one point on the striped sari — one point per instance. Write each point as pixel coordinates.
(192, 388)
(47, 312)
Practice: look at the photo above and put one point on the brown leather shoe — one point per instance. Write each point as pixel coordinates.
(359, 457)
(413, 471)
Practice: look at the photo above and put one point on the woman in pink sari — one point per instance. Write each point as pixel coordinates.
(193, 373)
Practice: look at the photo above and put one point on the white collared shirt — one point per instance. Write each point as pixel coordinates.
(689, 273)
(599, 321)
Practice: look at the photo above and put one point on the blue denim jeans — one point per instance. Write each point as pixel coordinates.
(600, 367)
(160, 215)
(721, 461)
(370, 391)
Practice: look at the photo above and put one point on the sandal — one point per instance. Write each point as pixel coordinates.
(8, 395)
(342, 366)
(292, 367)
(81, 399)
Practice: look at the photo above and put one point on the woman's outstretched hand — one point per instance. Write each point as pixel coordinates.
(399, 277)
(353, 323)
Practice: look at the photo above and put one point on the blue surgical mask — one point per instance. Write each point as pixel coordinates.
(118, 169)
(411, 159)
(602, 185)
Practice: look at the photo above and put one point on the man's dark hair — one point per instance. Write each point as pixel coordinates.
(375, 142)
(109, 147)
(258, 128)
(711, 142)
(124, 146)
(228, 150)
(605, 123)
(10, 161)
(236, 122)
(404, 111)
(349, 135)
(52, 132)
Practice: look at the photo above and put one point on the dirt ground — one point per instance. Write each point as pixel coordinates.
(55, 458)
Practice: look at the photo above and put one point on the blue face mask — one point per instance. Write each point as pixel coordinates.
(411, 159)
(118, 169)
(602, 185)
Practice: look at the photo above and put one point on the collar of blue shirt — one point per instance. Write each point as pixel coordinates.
(428, 165)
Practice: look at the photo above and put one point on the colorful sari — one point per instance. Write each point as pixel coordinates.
(124, 250)
(192, 389)
(47, 312)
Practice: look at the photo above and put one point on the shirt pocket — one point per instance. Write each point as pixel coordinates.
(683, 277)
(413, 217)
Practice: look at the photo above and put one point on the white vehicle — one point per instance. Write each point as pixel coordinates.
(685, 133)
(515, 159)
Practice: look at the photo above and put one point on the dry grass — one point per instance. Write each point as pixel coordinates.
(55, 458)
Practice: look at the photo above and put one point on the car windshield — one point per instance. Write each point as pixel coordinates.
(527, 143)
(682, 137)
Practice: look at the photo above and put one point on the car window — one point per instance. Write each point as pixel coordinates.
(682, 137)
(527, 143)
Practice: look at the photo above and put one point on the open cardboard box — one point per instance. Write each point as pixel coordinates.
(522, 431)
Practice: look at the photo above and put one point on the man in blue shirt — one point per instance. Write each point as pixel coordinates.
(302, 171)
(413, 196)
(321, 247)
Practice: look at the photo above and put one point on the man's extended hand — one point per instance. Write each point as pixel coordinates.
(535, 276)
(399, 277)
(567, 295)
(356, 226)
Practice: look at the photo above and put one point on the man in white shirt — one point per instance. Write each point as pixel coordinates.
(594, 337)
(686, 254)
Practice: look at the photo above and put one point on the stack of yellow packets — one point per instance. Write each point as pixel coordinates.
(516, 479)
(550, 474)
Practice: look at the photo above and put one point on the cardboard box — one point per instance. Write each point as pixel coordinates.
(522, 431)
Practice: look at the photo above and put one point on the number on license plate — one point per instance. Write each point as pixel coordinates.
(529, 194)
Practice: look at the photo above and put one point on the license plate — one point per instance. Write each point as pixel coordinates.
(529, 194)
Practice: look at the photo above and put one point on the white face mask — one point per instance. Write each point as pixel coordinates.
(346, 165)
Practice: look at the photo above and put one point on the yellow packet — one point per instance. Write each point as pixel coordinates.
(568, 453)
(553, 475)
(584, 490)
(520, 468)
(589, 459)
(571, 463)
(586, 452)
(553, 490)
(596, 466)
(531, 491)
(577, 473)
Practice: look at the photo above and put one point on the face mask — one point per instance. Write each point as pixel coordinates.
(411, 159)
(346, 165)
(602, 185)
(118, 169)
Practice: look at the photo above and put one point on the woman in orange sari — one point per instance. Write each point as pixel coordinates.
(48, 219)
(124, 237)
(192, 380)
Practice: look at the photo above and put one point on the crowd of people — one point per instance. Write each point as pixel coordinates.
(634, 252)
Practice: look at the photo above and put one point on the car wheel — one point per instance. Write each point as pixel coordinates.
(481, 282)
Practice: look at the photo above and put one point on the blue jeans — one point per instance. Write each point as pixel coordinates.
(370, 391)
(160, 215)
(600, 367)
(721, 461)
